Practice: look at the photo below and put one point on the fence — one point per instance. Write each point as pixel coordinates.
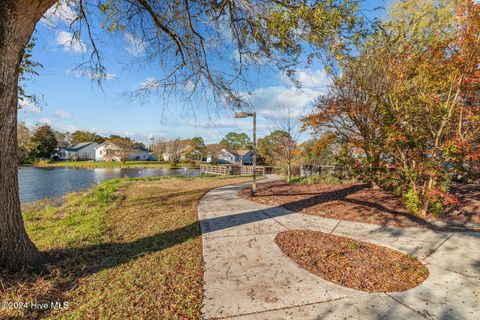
(322, 171)
(234, 170)
(221, 170)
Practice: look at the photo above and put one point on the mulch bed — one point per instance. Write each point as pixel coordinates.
(352, 263)
(358, 202)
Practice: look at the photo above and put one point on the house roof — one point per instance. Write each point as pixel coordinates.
(242, 152)
(239, 152)
(104, 144)
(136, 148)
(81, 145)
(78, 146)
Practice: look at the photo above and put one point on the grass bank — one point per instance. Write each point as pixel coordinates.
(129, 248)
(113, 164)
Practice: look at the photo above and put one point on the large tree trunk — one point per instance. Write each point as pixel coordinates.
(17, 22)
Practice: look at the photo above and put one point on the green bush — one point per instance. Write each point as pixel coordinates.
(316, 180)
(435, 208)
(412, 201)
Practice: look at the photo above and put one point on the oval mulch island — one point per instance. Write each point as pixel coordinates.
(352, 263)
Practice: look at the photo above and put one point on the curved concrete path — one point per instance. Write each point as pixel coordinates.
(248, 277)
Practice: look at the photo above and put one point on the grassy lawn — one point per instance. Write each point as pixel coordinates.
(129, 248)
(112, 164)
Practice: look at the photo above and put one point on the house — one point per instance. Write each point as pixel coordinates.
(79, 151)
(166, 156)
(152, 156)
(193, 155)
(242, 156)
(213, 151)
(102, 150)
(139, 154)
(108, 151)
(169, 155)
(180, 153)
(210, 157)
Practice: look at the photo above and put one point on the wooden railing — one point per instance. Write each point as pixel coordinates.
(221, 170)
(234, 170)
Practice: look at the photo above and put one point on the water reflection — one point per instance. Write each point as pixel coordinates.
(39, 183)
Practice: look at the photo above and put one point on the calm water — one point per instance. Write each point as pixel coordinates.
(39, 183)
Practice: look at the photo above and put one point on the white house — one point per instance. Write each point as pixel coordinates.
(79, 151)
(210, 157)
(242, 156)
(213, 150)
(181, 154)
(102, 150)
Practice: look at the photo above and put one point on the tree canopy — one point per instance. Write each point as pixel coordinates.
(233, 140)
(410, 100)
(183, 38)
(43, 141)
(85, 136)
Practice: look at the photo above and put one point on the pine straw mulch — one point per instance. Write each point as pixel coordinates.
(352, 263)
(358, 202)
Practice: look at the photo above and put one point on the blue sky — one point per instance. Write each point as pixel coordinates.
(70, 100)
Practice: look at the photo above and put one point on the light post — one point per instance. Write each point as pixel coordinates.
(254, 162)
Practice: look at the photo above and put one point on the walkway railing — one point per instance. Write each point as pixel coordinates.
(233, 170)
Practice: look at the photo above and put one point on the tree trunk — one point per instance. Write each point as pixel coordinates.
(424, 197)
(17, 22)
(374, 163)
(289, 171)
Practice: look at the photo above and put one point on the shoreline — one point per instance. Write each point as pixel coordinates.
(106, 165)
(106, 242)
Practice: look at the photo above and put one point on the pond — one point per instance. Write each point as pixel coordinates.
(40, 183)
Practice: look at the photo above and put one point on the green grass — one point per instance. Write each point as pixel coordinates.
(78, 220)
(352, 246)
(112, 164)
(128, 248)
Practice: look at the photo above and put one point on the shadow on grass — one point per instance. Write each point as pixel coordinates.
(69, 266)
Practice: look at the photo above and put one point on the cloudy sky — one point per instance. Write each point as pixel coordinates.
(70, 100)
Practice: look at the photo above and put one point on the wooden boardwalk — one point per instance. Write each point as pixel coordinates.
(234, 170)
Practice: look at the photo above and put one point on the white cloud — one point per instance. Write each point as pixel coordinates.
(70, 43)
(149, 83)
(62, 12)
(28, 106)
(69, 128)
(44, 121)
(276, 102)
(135, 46)
(62, 114)
(282, 101)
(92, 75)
(317, 79)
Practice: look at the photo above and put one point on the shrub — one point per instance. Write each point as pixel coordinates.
(435, 208)
(412, 201)
(317, 180)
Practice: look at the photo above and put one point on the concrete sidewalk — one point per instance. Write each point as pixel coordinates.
(248, 277)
